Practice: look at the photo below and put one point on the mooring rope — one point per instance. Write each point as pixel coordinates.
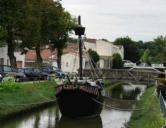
(110, 107)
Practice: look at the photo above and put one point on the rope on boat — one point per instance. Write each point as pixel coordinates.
(110, 107)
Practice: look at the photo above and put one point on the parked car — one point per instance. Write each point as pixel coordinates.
(52, 69)
(144, 64)
(34, 73)
(128, 64)
(40, 74)
(4, 70)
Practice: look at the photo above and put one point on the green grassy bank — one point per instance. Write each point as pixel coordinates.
(150, 116)
(17, 97)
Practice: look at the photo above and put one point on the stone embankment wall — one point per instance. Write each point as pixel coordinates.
(124, 74)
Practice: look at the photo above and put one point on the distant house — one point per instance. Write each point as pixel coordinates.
(105, 50)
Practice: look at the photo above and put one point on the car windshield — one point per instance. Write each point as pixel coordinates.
(7, 69)
(36, 70)
(27, 70)
(56, 69)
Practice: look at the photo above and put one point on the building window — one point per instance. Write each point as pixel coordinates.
(67, 64)
(1, 61)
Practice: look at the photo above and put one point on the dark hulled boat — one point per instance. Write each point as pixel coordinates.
(80, 98)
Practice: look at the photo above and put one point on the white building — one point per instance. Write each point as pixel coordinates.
(70, 62)
(105, 50)
(4, 59)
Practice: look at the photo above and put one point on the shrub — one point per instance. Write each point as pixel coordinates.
(9, 85)
(117, 61)
(162, 81)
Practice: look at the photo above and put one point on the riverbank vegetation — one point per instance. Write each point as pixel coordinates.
(139, 51)
(17, 97)
(150, 116)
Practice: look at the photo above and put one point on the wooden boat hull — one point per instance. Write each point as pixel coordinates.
(80, 103)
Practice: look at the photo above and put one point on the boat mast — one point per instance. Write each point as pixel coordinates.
(80, 47)
(80, 31)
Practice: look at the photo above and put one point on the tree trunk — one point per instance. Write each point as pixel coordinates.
(59, 54)
(39, 58)
(11, 48)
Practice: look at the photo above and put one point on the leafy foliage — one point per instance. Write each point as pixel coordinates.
(11, 20)
(117, 61)
(146, 56)
(131, 51)
(9, 86)
(94, 56)
(72, 40)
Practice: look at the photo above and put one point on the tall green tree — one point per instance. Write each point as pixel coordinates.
(11, 20)
(94, 56)
(63, 27)
(36, 25)
(131, 51)
(160, 47)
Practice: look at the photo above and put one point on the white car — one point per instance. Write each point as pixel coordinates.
(128, 64)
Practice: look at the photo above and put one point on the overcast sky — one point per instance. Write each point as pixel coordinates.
(109, 19)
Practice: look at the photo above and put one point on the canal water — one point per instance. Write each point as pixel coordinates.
(116, 112)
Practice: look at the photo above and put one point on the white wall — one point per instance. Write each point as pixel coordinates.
(104, 48)
(70, 63)
(20, 57)
(3, 54)
(107, 49)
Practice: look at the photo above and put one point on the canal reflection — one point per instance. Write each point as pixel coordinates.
(122, 97)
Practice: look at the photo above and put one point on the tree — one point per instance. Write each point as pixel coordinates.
(146, 56)
(117, 61)
(94, 56)
(11, 19)
(160, 48)
(37, 25)
(60, 32)
(131, 51)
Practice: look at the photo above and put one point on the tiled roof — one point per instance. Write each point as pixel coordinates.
(89, 40)
(45, 54)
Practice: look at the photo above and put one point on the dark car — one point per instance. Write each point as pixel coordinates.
(34, 73)
(28, 72)
(52, 69)
(4, 69)
(40, 74)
